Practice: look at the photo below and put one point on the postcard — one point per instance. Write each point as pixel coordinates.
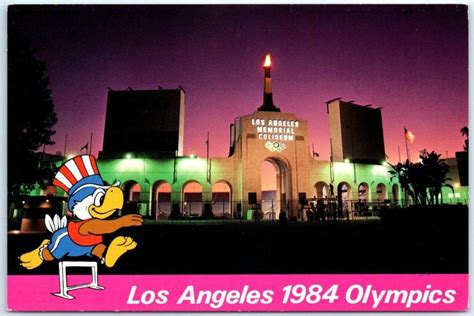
(226, 158)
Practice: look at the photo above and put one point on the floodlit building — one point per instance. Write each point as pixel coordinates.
(144, 150)
(230, 186)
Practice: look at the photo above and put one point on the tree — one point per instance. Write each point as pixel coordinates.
(465, 132)
(436, 170)
(422, 181)
(400, 171)
(419, 181)
(31, 115)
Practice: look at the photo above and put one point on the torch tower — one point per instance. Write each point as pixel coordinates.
(268, 105)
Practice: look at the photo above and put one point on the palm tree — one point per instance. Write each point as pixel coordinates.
(436, 170)
(465, 132)
(400, 171)
(419, 179)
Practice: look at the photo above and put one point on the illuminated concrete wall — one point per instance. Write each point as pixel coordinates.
(276, 137)
(458, 193)
(281, 139)
(242, 173)
(147, 172)
(243, 176)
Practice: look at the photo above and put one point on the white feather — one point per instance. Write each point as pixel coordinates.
(63, 222)
(57, 222)
(49, 223)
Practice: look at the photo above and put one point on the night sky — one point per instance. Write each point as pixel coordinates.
(410, 60)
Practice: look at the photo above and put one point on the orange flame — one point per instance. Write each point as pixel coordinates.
(268, 61)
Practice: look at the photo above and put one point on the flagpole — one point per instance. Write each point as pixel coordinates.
(331, 164)
(207, 147)
(90, 145)
(65, 146)
(405, 193)
(399, 156)
(353, 159)
(406, 144)
(207, 159)
(41, 157)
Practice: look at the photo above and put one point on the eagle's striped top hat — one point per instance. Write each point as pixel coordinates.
(79, 177)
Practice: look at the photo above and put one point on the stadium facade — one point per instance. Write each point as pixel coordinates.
(144, 151)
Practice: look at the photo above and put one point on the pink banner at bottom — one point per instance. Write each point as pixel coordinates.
(315, 292)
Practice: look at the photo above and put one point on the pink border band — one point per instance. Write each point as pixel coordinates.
(314, 292)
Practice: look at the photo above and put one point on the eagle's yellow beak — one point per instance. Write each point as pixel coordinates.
(113, 201)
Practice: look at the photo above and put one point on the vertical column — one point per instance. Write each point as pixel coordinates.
(267, 88)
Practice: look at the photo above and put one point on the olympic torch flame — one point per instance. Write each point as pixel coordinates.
(268, 61)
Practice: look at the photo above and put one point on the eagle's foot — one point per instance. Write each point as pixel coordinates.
(34, 258)
(117, 248)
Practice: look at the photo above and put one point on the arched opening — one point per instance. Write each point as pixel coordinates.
(131, 194)
(381, 193)
(395, 194)
(276, 188)
(270, 201)
(363, 193)
(221, 199)
(50, 190)
(161, 200)
(343, 196)
(192, 199)
(321, 190)
(131, 191)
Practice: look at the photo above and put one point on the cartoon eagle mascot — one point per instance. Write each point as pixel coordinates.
(92, 202)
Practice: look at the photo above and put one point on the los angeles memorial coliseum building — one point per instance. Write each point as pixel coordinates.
(145, 152)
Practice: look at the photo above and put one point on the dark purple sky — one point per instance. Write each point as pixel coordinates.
(410, 60)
